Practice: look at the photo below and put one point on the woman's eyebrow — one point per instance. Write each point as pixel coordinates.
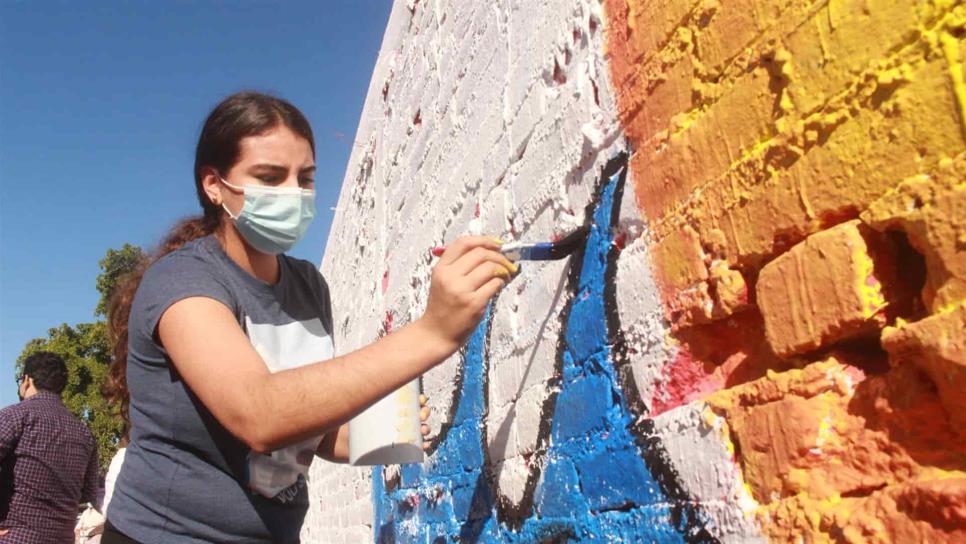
(274, 168)
(307, 170)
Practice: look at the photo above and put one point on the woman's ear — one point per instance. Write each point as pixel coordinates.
(210, 182)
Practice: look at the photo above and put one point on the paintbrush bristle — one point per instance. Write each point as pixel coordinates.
(570, 243)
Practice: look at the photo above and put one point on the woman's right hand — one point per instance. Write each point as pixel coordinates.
(469, 273)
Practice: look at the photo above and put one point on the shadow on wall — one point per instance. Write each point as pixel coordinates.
(594, 472)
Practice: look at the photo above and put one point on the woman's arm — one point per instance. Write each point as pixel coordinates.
(335, 445)
(268, 411)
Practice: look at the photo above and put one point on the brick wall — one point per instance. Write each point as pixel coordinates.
(764, 334)
(801, 165)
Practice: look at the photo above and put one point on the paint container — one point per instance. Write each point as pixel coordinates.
(387, 433)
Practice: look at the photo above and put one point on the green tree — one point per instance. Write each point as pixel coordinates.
(116, 264)
(86, 349)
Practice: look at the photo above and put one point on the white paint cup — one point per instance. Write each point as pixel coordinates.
(387, 433)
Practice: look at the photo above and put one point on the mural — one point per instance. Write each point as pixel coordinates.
(594, 472)
(764, 338)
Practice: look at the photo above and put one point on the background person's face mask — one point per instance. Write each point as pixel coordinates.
(273, 219)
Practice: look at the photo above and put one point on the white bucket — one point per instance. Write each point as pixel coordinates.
(387, 433)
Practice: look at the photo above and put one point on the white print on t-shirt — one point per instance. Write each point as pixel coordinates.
(283, 347)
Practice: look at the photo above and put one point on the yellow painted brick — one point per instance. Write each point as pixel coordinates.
(746, 23)
(683, 258)
(861, 159)
(841, 41)
(706, 148)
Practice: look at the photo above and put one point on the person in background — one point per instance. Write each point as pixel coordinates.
(224, 360)
(90, 525)
(48, 458)
(110, 479)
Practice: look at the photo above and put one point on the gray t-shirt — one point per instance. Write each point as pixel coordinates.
(185, 477)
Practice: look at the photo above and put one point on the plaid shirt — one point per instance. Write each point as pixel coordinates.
(48, 465)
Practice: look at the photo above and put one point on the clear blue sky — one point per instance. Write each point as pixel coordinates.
(100, 108)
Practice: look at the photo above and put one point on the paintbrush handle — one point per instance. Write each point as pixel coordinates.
(539, 251)
(519, 248)
(510, 247)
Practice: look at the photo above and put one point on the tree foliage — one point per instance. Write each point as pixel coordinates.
(86, 349)
(116, 264)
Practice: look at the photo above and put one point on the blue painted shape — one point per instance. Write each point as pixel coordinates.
(433, 508)
(479, 530)
(611, 470)
(645, 524)
(594, 484)
(559, 494)
(582, 408)
(472, 412)
(472, 499)
(383, 525)
(615, 479)
(585, 336)
(462, 453)
(409, 475)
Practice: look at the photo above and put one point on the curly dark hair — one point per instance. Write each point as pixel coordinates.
(48, 371)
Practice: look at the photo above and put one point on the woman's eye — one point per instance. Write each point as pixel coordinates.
(271, 180)
(306, 181)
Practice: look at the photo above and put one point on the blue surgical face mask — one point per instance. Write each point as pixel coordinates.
(273, 219)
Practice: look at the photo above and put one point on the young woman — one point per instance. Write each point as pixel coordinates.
(224, 344)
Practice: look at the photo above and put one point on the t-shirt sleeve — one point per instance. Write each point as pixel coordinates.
(325, 303)
(170, 280)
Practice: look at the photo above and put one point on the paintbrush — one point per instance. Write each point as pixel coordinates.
(539, 251)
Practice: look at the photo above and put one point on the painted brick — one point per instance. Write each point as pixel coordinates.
(822, 291)
(583, 407)
(937, 345)
(931, 209)
(598, 478)
(693, 152)
(564, 498)
(840, 458)
(471, 504)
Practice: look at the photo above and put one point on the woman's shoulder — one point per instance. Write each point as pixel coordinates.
(191, 258)
(188, 270)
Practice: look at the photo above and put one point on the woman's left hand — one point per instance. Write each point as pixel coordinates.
(424, 412)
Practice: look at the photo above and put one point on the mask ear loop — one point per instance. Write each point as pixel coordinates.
(237, 188)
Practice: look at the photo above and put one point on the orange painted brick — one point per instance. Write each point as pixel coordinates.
(821, 291)
(649, 25)
(686, 262)
(931, 210)
(666, 91)
(937, 345)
